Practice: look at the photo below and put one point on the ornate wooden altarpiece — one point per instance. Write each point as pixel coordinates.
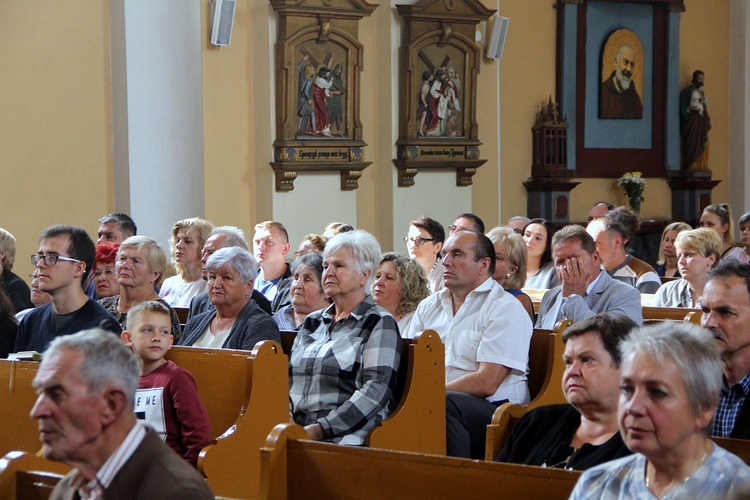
(319, 62)
(439, 61)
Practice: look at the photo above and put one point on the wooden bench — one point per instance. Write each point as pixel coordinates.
(418, 422)
(293, 467)
(739, 447)
(28, 477)
(545, 364)
(17, 397)
(654, 315)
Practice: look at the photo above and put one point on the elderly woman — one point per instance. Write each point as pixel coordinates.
(666, 266)
(38, 297)
(237, 322)
(540, 270)
(583, 433)
(670, 383)
(424, 241)
(140, 265)
(698, 252)
(344, 361)
(105, 275)
(186, 242)
(306, 292)
(719, 218)
(15, 287)
(510, 264)
(400, 285)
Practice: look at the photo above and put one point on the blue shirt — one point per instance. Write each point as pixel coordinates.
(731, 401)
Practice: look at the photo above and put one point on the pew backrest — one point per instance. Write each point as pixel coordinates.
(17, 397)
(293, 467)
(656, 314)
(25, 476)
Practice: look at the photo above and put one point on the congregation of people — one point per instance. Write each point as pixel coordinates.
(642, 401)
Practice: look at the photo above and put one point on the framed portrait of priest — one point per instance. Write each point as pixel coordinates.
(622, 64)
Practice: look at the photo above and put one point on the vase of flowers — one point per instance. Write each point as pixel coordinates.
(633, 185)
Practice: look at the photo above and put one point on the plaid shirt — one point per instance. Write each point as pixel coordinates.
(343, 377)
(731, 401)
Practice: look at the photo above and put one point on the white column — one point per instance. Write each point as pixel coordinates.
(157, 112)
(739, 97)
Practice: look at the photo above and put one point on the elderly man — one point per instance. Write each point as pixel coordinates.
(86, 386)
(15, 287)
(270, 246)
(726, 313)
(618, 95)
(611, 233)
(223, 237)
(585, 290)
(486, 332)
(63, 262)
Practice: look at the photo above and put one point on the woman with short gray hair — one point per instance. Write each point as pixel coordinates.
(237, 322)
(344, 362)
(671, 378)
(305, 292)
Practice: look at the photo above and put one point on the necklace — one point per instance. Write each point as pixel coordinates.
(703, 459)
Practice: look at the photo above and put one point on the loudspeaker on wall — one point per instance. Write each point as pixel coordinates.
(496, 41)
(222, 21)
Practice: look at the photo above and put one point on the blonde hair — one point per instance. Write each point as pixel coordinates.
(7, 245)
(513, 246)
(275, 225)
(202, 231)
(703, 240)
(675, 226)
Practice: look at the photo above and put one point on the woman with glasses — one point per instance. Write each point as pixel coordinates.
(141, 263)
(104, 275)
(540, 270)
(424, 242)
(719, 218)
(186, 242)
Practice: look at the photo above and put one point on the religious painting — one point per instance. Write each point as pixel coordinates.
(439, 93)
(321, 92)
(622, 67)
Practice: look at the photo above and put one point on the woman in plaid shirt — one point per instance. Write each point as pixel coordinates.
(344, 362)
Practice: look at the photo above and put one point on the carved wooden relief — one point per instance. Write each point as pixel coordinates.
(437, 89)
(318, 69)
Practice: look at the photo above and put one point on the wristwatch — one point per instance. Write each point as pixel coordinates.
(568, 297)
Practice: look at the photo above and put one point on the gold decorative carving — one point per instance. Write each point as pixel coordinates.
(437, 89)
(318, 65)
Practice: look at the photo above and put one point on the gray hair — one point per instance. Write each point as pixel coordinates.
(691, 348)
(106, 360)
(236, 259)
(235, 236)
(364, 248)
(7, 245)
(312, 261)
(157, 259)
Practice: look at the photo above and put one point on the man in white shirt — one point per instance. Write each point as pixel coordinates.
(486, 332)
(86, 385)
(270, 246)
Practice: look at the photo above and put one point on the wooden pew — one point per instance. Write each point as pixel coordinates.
(252, 391)
(17, 396)
(653, 315)
(293, 467)
(739, 447)
(182, 314)
(418, 422)
(545, 357)
(28, 477)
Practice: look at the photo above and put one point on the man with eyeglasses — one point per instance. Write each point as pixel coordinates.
(63, 263)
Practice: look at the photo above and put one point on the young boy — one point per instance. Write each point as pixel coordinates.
(167, 397)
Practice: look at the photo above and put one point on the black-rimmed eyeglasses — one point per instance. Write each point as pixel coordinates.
(50, 259)
(418, 241)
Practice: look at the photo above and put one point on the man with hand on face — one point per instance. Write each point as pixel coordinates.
(586, 289)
